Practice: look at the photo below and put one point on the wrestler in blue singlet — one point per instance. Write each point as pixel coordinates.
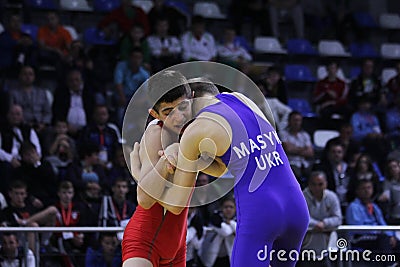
(271, 210)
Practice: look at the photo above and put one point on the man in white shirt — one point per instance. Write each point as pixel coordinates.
(165, 49)
(12, 255)
(198, 44)
(231, 50)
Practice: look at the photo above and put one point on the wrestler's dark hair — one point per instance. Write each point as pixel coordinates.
(161, 84)
(201, 86)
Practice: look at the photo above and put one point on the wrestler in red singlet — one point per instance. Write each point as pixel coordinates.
(156, 235)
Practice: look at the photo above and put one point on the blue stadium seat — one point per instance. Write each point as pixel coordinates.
(42, 4)
(241, 40)
(362, 50)
(30, 29)
(300, 47)
(364, 19)
(298, 73)
(180, 6)
(106, 5)
(93, 36)
(354, 72)
(302, 106)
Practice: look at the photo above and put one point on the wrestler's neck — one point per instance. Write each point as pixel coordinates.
(205, 101)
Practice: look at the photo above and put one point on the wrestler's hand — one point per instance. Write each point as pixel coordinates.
(171, 154)
(136, 165)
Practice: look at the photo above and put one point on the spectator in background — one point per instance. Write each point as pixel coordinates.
(70, 244)
(135, 39)
(230, 51)
(102, 133)
(128, 77)
(124, 17)
(61, 157)
(367, 85)
(54, 41)
(176, 20)
(364, 170)
(368, 132)
(13, 254)
(108, 253)
(54, 135)
(393, 124)
(78, 59)
(393, 85)
(119, 168)
(22, 213)
(197, 43)
(194, 236)
(298, 146)
(330, 95)
(391, 191)
(37, 174)
(363, 211)
(165, 49)
(16, 47)
(351, 146)
(216, 249)
(12, 135)
(33, 99)
(337, 171)
(73, 103)
(325, 213)
(274, 85)
(294, 8)
(87, 169)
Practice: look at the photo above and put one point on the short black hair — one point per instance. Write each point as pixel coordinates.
(293, 113)
(17, 184)
(163, 81)
(88, 149)
(198, 20)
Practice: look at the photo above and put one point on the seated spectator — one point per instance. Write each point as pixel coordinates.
(325, 213)
(391, 191)
(298, 146)
(330, 95)
(368, 132)
(119, 169)
(22, 213)
(53, 135)
(102, 133)
(73, 104)
(165, 49)
(108, 254)
(13, 134)
(194, 236)
(128, 77)
(135, 39)
(364, 170)
(34, 100)
(367, 85)
(16, 48)
(351, 147)
(231, 52)
(54, 40)
(393, 85)
(274, 85)
(198, 44)
(61, 158)
(124, 17)
(393, 124)
(37, 174)
(13, 254)
(337, 171)
(294, 8)
(117, 207)
(70, 244)
(363, 211)
(87, 169)
(216, 249)
(78, 59)
(176, 20)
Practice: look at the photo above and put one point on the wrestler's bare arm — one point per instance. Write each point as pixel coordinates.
(151, 180)
(209, 134)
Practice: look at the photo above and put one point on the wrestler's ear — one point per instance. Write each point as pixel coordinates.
(154, 113)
